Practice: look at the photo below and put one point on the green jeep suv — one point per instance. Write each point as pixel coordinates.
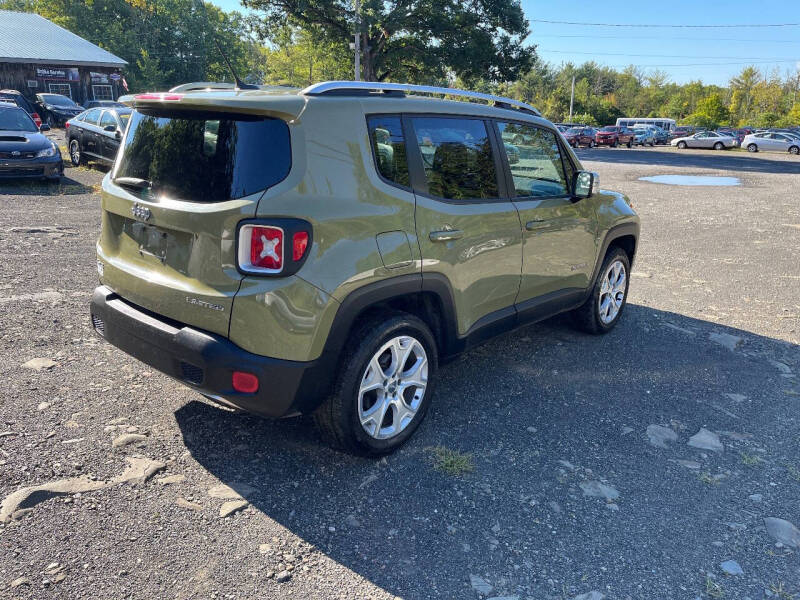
(324, 251)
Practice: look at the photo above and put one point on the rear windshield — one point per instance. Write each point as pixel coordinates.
(204, 157)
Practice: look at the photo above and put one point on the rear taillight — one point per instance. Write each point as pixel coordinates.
(266, 248)
(299, 244)
(276, 247)
(66, 124)
(37, 119)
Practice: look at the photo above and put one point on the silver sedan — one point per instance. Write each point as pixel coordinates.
(769, 140)
(705, 139)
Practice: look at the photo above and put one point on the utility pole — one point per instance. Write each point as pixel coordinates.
(357, 45)
(571, 98)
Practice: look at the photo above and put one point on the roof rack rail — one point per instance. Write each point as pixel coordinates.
(197, 86)
(345, 87)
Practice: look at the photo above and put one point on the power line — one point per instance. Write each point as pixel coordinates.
(764, 58)
(671, 38)
(664, 26)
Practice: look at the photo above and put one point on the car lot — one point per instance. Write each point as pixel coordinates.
(539, 472)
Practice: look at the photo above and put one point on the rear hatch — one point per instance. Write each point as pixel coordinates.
(185, 176)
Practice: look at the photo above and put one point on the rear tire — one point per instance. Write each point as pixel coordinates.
(591, 143)
(630, 143)
(682, 145)
(366, 382)
(794, 150)
(752, 148)
(603, 309)
(75, 154)
(719, 146)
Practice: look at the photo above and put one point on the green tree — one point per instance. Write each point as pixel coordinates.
(710, 112)
(428, 40)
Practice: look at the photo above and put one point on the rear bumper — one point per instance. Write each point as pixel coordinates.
(204, 361)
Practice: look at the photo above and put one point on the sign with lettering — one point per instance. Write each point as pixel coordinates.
(99, 77)
(66, 74)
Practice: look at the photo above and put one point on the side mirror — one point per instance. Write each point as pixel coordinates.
(44, 127)
(583, 184)
(110, 128)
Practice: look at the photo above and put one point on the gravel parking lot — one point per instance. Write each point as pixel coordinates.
(553, 465)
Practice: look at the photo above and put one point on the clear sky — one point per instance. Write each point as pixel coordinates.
(712, 55)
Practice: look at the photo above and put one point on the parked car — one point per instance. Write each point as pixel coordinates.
(200, 244)
(24, 150)
(20, 100)
(643, 136)
(779, 142)
(661, 135)
(682, 131)
(580, 136)
(705, 139)
(96, 134)
(612, 135)
(103, 104)
(56, 109)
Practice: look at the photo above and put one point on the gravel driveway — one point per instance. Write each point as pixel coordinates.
(661, 461)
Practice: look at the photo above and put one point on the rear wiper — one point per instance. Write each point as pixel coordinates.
(134, 182)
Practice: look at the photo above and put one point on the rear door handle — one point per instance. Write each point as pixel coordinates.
(446, 235)
(536, 224)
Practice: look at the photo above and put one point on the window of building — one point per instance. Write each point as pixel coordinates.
(102, 92)
(64, 89)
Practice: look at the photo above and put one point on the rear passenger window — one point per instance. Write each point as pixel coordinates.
(534, 158)
(457, 157)
(389, 148)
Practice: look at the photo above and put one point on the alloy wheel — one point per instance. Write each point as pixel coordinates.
(612, 292)
(75, 152)
(392, 387)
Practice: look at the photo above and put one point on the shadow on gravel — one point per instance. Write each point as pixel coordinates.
(33, 187)
(540, 412)
(722, 160)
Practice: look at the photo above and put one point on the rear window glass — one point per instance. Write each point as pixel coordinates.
(389, 147)
(205, 157)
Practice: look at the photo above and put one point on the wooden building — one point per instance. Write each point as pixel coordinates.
(38, 56)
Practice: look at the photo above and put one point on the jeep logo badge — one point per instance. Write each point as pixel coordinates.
(140, 212)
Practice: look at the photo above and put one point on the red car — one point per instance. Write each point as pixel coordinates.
(612, 135)
(580, 136)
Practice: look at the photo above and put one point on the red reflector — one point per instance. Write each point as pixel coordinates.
(247, 383)
(158, 96)
(66, 124)
(299, 245)
(266, 248)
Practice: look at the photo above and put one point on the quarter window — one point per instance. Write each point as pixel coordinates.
(534, 158)
(457, 157)
(389, 148)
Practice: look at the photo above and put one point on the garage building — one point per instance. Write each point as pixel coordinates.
(38, 56)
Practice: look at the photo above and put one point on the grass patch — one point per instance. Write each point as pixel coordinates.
(707, 478)
(751, 460)
(452, 462)
(794, 472)
(713, 589)
(780, 591)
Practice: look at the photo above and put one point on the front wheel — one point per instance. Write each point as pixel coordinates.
(719, 146)
(591, 143)
(794, 150)
(630, 143)
(752, 148)
(603, 309)
(384, 386)
(682, 145)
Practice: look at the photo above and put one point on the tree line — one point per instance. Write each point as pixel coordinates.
(436, 42)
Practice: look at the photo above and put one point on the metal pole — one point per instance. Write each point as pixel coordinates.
(358, 41)
(571, 98)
